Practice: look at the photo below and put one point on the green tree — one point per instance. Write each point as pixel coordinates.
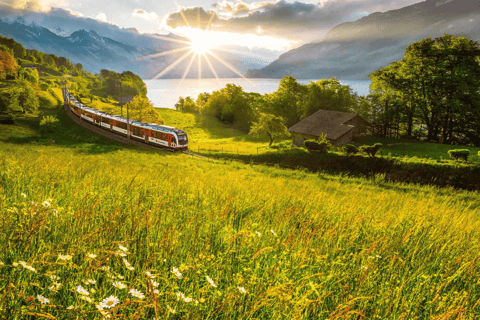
(141, 109)
(23, 97)
(8, 65)
(271, 125)
(288, 101)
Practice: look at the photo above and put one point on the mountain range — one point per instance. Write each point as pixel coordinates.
(127, 50)
(353, 50)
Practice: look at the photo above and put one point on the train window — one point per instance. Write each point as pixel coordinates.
(174, 140)
(121, 125)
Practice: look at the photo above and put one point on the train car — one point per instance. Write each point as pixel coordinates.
(151, 133)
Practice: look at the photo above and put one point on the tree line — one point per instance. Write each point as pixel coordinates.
(431, 94)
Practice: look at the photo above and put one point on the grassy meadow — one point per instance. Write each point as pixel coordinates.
(93, 229)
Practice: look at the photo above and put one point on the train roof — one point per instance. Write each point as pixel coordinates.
(152, 126)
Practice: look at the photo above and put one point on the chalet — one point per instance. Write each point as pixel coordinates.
(339, 127)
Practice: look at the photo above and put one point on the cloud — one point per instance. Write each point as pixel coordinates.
(140, 13)
(12, 6)
(294, 21)
(101, 17)
(192, 17)
(240, 7)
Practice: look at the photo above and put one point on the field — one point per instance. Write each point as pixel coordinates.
(92, 229)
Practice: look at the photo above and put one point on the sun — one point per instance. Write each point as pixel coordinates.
(202, 43)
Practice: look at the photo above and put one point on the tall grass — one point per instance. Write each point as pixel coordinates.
(223, 240)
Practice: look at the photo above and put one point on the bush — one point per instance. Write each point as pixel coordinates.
(321, 146)
(281, 145)
(371, 150)
(349, 149)
(459, 154)
(48, 124)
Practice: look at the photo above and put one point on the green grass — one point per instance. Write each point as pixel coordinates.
(207, 134)
(277, 244)
(434, 151)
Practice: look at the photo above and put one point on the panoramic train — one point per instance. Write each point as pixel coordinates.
(151, 133)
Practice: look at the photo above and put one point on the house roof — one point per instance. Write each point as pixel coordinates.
(331, 123)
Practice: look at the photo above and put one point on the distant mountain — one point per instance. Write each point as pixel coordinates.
(353, 50)
(126, 50)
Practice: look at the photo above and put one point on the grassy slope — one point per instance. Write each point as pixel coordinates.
(299, 244)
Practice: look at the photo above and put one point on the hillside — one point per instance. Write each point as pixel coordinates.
(353, 50)
(93, 229)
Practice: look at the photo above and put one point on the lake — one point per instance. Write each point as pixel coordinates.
(164, 93)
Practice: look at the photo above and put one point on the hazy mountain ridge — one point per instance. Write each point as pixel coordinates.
(353, 50)
(125, 50)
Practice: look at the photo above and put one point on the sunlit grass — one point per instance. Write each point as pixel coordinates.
(225, 240)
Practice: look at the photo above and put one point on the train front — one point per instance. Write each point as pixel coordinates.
(182, 140)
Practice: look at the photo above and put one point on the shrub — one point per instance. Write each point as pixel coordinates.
(48, 124)
(459, 154)
(281, 145)
(349, 149)
(322, 145)
(371, 150)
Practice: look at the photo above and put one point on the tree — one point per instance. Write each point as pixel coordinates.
(328, 94)
(186, 105)
(271, 125)
(141, 109)
(8, 65)
(23, 96)
(288, 100)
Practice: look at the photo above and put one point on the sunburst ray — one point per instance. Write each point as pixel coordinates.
(226, 64)
(163, 53)
(210, 65)
(173, 65)
(189, 66)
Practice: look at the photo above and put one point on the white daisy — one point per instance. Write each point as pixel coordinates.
(123, 248)
(43, 300)
(120, 253)
(23, 195)
(82, 290)
(242, 290)
(151, 276)
(136, 294)
(172, 311)
(109, 302)
(54, 277)
(91, 255)
(64, 257)
(90, 281)
(55, 287)
(46, 204)
(211, 282)
(119, 285)
(128, 265)
(176, 273)
(86, 298)
(258, 233)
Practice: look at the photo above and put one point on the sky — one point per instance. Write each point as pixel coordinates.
(274, 24)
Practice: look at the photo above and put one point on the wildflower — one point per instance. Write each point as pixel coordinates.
(170, 309)
(54, 277)
(211, 282)
(176, 273)
(258, 233)
(364, 268)
(23, 195)
(91, 255)
(26, 266)
(105, 268)
(156, 291)
(15, 264)
(55, 212)
(109, 302)
(242, 290)
(119, 276)
(136, 294)
(120, 253)
(1, 263)
(64, 257)
(128, 265)
(180, 295)
(82, 290)
(43, 300)
(273, 232)
(46, 204)
(90, 281)
(151, 276)
(55, 287)
(154, 284)
(119, 285)
(72, 307)
(123, 248)
(88, 299)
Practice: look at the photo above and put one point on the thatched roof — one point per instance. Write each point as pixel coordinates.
(331, 123)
